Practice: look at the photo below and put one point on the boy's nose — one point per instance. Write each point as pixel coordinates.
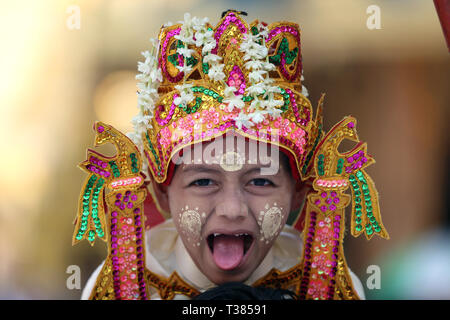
(232, 206)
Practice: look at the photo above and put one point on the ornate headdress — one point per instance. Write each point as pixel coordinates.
(197, 83)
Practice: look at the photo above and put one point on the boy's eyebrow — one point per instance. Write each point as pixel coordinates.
(209, 169)
(252, 170)
(200, 168)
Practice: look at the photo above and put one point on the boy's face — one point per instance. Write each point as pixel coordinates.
(229, 214)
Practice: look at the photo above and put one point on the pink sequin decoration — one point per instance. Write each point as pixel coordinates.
(306, 111)
(126, 182)
(163, 122)
(230, 18)
(163, 57)
(237, 80)
(317, 290)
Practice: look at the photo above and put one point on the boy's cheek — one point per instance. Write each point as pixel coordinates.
(190, 221)
(271, 219)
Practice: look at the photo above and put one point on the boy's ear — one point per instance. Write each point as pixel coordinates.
(161, 194)
(302, 188)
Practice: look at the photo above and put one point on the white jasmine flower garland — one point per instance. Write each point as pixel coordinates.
(205, 38)
(149, 78)
(257, 61)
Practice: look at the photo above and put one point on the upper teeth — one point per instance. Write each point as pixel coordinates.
(236, 235)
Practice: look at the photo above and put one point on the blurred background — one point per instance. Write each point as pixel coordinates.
(58, 75)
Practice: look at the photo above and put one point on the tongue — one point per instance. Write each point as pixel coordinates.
(228, 251)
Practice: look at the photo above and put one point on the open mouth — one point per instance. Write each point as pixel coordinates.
(229, 250)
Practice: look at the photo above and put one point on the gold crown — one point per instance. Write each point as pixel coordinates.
(261, 68)
(282, 43)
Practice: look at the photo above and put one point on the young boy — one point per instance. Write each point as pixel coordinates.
(237, 167)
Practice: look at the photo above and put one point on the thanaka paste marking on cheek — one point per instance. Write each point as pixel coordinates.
(270, 222)
(190, 221)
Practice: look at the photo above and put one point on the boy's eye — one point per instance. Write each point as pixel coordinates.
(201, 183)
(261, 182)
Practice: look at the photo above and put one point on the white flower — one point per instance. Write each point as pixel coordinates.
(254, 64)
(188, 21)
(305, 91)
(270, 90)
(199, 24)
(256, 89)
(272, 103)
(189, 25)
(249, 38)
(142, 86)
(143, 77)
(216, 73)
(186, 52)
(202, 37)
(243, 120)
(186, 38)
(211, 58)
(145, 100)
(143, 67)
(184, 87)
(259, 52)
(229, 91)
(256, 76)
(146, 54)
(257, 116)
(186, 94)
(147, 87)
(268, 66)
(141, 122)
(186, 69)
(208, 46)
(232, 100)
(263, 30)
(276, 113)
(256, 104)
(156, 75)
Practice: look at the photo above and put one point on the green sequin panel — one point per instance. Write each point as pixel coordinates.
(86, 207)
(193, 109)
(340, 166)
(320, 165)
(205, 67)
(208, 92)
(362, 198)
(115, 169)
(95, 218)
(286, 99)
(290, 55)
(134, 167)
(153, 152)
